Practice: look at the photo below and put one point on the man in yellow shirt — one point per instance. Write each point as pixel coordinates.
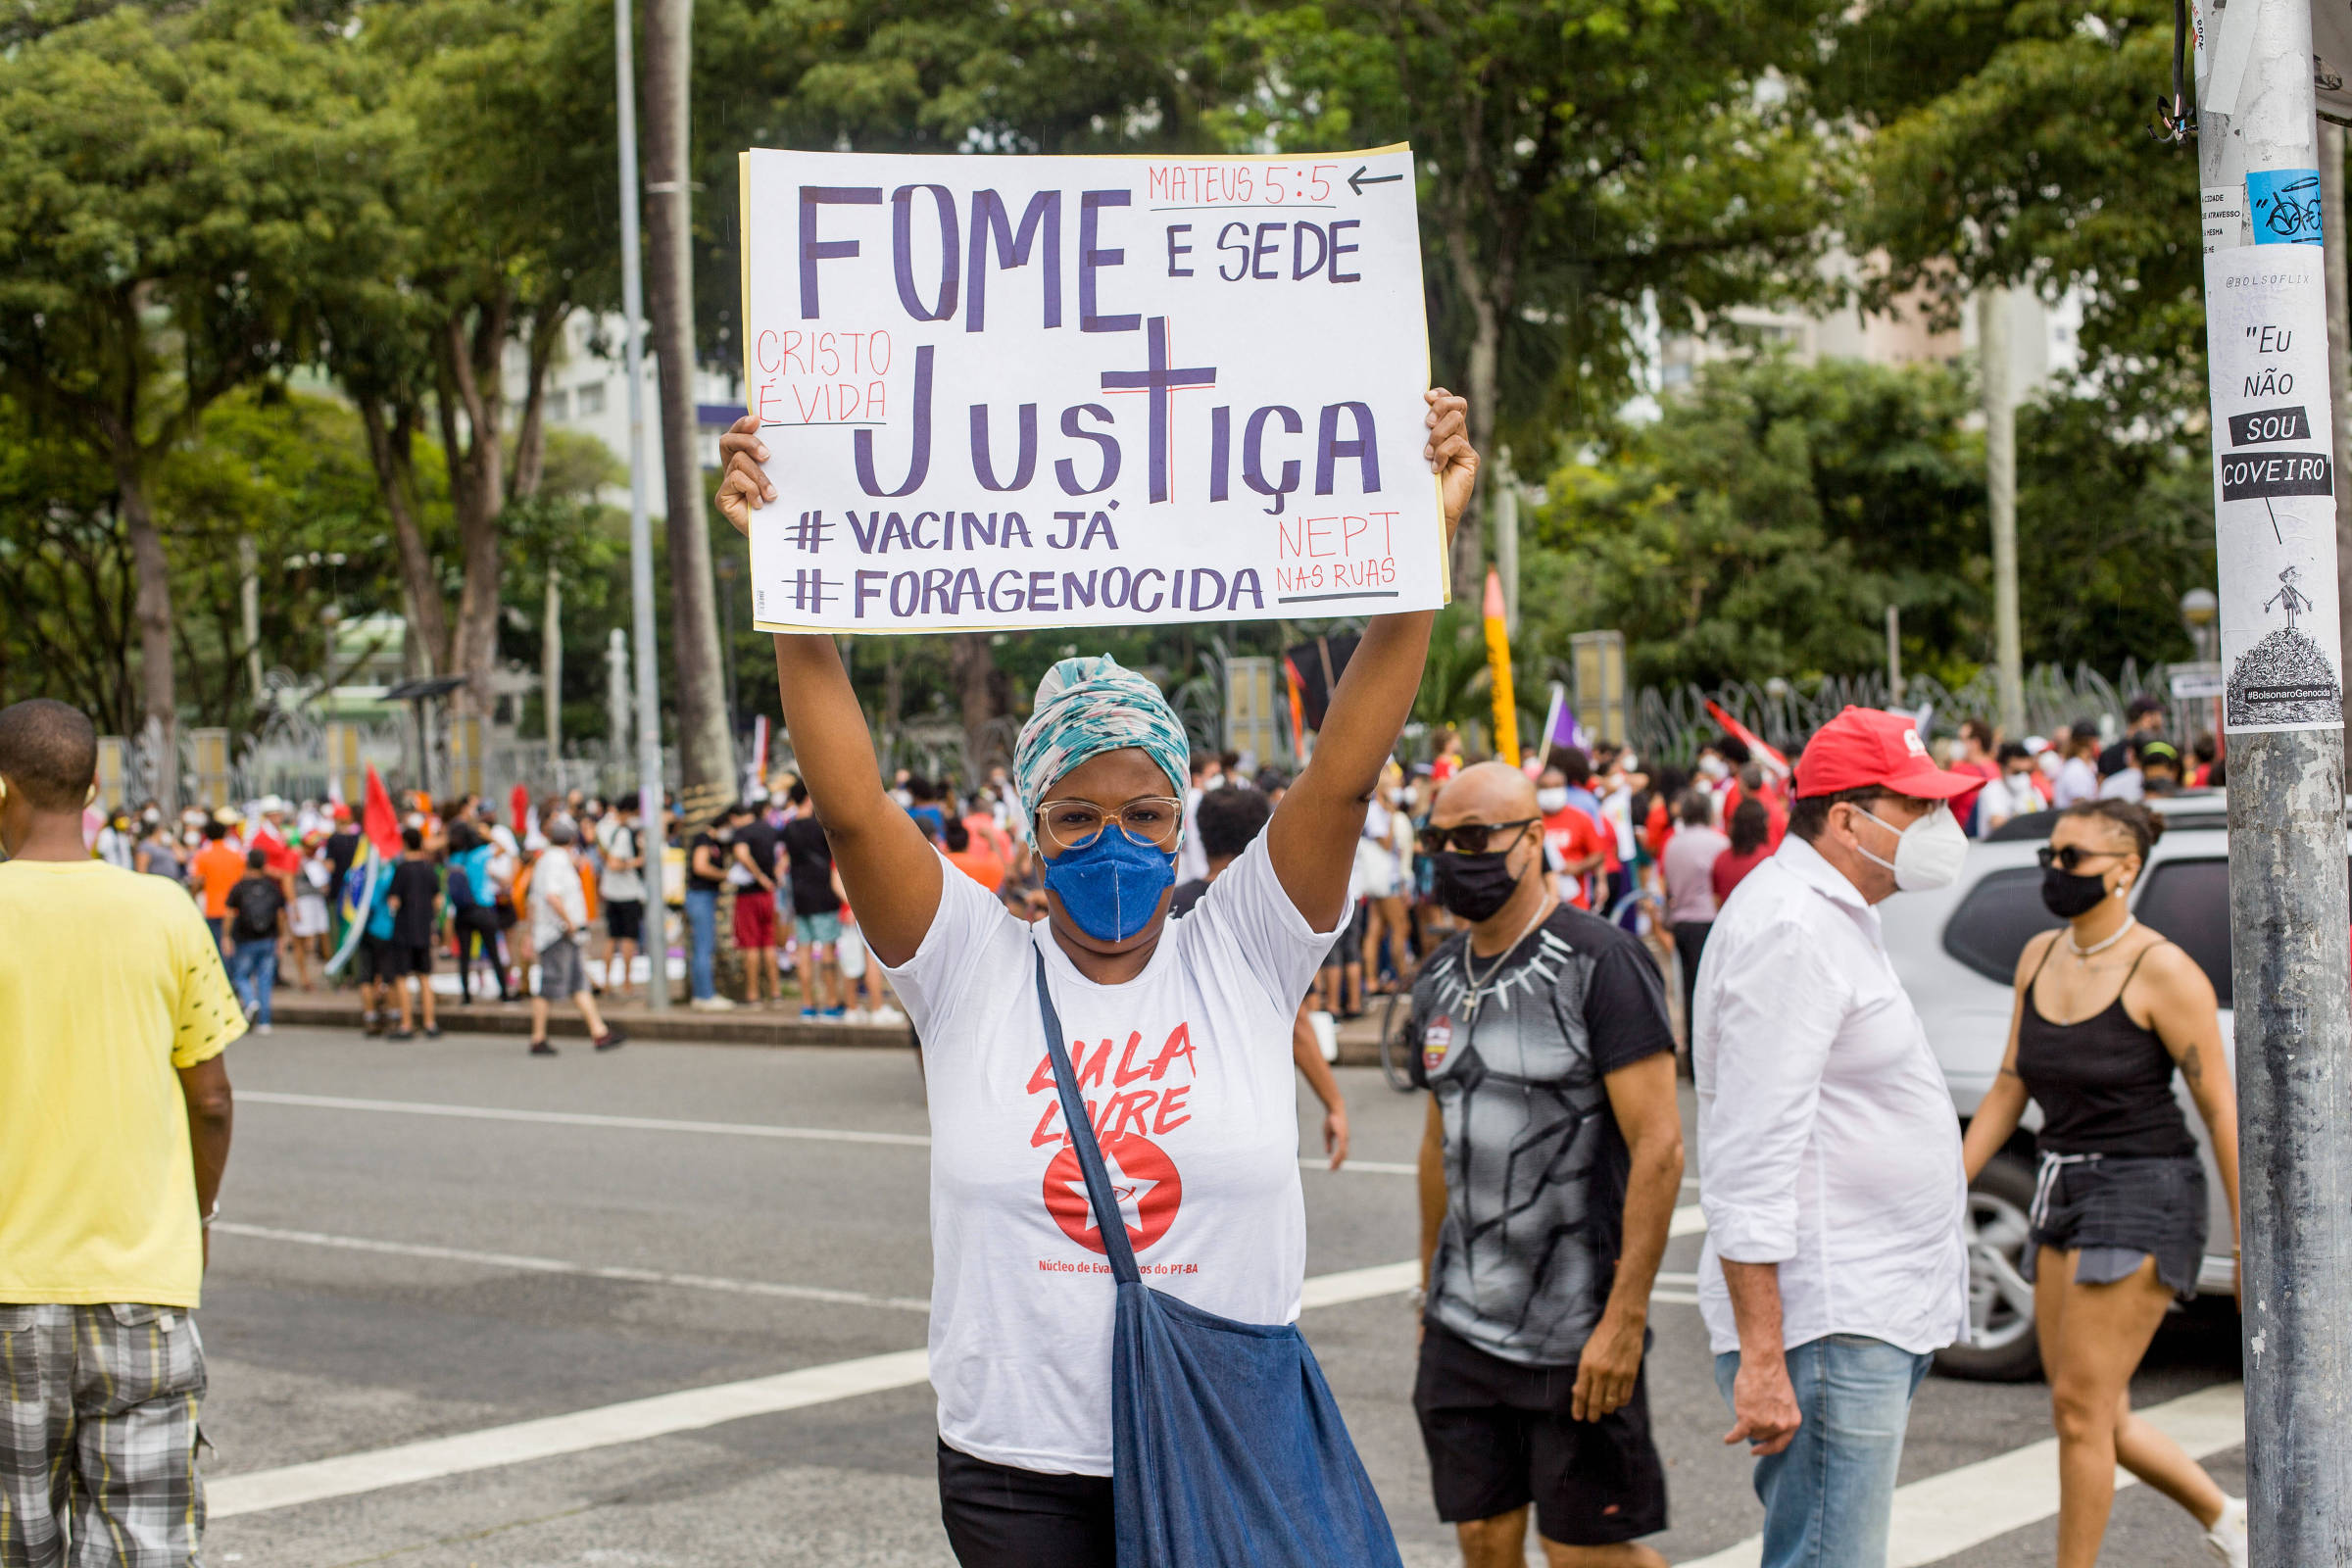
(114, 1130)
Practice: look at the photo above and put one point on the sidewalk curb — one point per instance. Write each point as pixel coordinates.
(679, 1025)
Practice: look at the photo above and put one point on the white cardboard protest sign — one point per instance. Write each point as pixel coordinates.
(2274, 487)
(1034, 392)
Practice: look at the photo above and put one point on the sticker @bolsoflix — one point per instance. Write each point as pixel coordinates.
(2274, 478)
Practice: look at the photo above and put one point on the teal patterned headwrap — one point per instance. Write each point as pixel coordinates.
(1086, 707)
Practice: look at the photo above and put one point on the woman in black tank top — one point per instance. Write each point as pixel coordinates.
(2106, 1011)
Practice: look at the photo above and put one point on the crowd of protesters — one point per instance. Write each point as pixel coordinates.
(1112, 877)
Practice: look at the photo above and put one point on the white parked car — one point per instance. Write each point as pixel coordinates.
(1956, 951)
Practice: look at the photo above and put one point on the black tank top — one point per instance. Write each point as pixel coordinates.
(2104, 1085)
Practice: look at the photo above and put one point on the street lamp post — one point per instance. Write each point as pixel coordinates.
(653, 828)
(2199, 609)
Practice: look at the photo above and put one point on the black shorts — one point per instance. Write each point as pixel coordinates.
(1348, 943)
(399, 959)
(1500, 1436)
(1001, 1517)
(369, 959)
(624, 919)
(2120, 1209)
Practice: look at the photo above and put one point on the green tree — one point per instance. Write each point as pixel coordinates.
(1763, 523)
(2007, 144)
(1582, 163)
(502, 190)
(173, 190)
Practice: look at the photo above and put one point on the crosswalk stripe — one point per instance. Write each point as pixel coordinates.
(552, 1265)
(1943, 1515)
(664, 1124)
(636, 1420)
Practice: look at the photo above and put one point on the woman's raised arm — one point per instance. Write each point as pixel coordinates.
(1311, 839)
(889, 870)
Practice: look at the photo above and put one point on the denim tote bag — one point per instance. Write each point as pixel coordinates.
(1227, 1449)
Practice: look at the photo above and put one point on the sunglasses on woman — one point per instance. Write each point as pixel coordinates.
(2070, 857)
(1472, 838)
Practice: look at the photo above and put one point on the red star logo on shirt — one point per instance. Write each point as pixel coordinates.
(1143, 1181)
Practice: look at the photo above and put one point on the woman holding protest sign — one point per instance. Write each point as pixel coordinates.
(1180, 1033)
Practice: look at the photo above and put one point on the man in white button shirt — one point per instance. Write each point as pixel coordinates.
(1829, 1154)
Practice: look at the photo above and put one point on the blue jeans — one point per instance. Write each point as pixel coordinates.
(1828, 1496)
(253, 970)
(701, 919)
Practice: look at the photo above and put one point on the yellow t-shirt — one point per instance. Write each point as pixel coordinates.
(109, 982)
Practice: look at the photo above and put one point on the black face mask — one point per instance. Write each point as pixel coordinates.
(1474, 886)
(2067, 896)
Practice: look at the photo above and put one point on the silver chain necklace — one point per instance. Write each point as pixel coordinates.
(2096, 947)
(1478, 982)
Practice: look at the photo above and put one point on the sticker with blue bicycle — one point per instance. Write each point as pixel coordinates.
(2286, 204)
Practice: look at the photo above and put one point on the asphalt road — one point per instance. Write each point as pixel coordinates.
(533, 1239)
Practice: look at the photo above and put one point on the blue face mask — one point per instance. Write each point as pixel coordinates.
(1112, 886)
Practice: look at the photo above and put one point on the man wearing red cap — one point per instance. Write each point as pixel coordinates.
(1830, 1157)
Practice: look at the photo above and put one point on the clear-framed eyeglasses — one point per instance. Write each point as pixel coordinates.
(1155, 822)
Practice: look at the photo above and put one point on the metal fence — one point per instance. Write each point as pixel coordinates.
(1671, 724)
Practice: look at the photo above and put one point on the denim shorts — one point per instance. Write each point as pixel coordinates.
(2117, 1211)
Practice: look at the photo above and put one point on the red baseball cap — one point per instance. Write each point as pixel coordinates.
(1864, 747)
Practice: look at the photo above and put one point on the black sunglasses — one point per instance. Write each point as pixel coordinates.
(1470, 838)
(2072, 856)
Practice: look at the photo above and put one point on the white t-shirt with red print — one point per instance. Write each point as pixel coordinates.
(1186, 1070)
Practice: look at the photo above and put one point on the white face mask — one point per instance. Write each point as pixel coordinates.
(1714, 767)
(1928, 854)
(1551, 799)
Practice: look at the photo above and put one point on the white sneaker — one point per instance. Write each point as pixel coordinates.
(260, 1028)
(2227, 1539)
(886, 1015)
(711, 1004)
(854, 1015)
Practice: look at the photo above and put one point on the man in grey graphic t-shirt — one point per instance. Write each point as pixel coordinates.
(1548, 1181)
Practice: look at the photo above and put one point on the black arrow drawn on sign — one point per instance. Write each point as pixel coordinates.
(1358, 180)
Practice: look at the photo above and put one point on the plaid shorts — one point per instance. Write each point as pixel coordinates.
(98, 1436)
(561, 974)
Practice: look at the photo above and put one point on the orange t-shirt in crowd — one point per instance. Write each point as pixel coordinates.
(980, 863)
(218, 869)
(1572, 836)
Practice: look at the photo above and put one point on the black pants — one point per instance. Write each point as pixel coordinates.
(1690, 941)
(1001, 1517)
(477, 935)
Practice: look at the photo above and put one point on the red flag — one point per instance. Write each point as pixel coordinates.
(1774, 764)
(378, 820)
(280, 856)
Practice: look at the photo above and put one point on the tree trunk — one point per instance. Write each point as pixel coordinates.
(982, 691)
(390, 448)
(705, 747)
(470, 365)
(530, 432)
(158, 693)
(1485, 353)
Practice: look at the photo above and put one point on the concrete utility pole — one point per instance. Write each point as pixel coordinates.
(2001, 489)
(2276, 522)
(2340, 360)
(249, 611)
(651, 828)
(1504, 498)
(616, 693)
